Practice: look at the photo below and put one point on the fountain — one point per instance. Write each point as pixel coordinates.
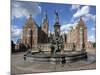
(57, 54)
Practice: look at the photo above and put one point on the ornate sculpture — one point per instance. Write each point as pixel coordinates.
(56, 44)
(56, 40)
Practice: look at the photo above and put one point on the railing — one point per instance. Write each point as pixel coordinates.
(43, 47)
(46, 47)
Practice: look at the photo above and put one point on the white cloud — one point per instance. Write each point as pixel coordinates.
(90, 17)
(85, 13)
(67, 27)
(74, 7)
(81, 12)
(91, 38)
(93, 29)
(24, 9)
(15, 32)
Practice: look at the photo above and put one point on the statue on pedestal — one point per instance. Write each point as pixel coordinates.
(56, 40)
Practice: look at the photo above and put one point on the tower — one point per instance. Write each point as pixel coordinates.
(45, 23)
(30, 33)
(44, 28)
(57, 25)
(82, 33)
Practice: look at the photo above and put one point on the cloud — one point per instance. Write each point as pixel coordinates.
(24, 8)
(90, 17)
(75, 7)
(93, 29)
(67, 27)
(82, 12)
(91, 38)
(15, 32)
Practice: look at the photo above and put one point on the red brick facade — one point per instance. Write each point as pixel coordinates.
(74, 36)
(38, 33)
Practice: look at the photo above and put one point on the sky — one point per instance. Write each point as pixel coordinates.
(69, 15)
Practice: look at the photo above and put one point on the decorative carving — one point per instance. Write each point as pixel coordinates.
(56, 40)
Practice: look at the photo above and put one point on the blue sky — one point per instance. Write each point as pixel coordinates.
(68, 16)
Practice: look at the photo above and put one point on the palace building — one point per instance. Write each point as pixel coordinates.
(77, 35)
(35, 35)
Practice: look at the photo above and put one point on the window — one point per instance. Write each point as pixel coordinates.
(81, 36)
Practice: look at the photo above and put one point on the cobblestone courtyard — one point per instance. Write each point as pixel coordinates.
(18, 65)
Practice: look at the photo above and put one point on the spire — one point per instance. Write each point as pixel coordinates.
(81, 22)
(57, 25)
(56, 17)
(30, 20)
(45, 23)
(45, 14)
(30, 16)
(45, 17)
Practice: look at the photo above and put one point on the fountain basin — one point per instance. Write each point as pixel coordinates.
(55, 59)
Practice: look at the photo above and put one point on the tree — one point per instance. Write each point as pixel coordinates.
(94, 44)
(12, 46)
